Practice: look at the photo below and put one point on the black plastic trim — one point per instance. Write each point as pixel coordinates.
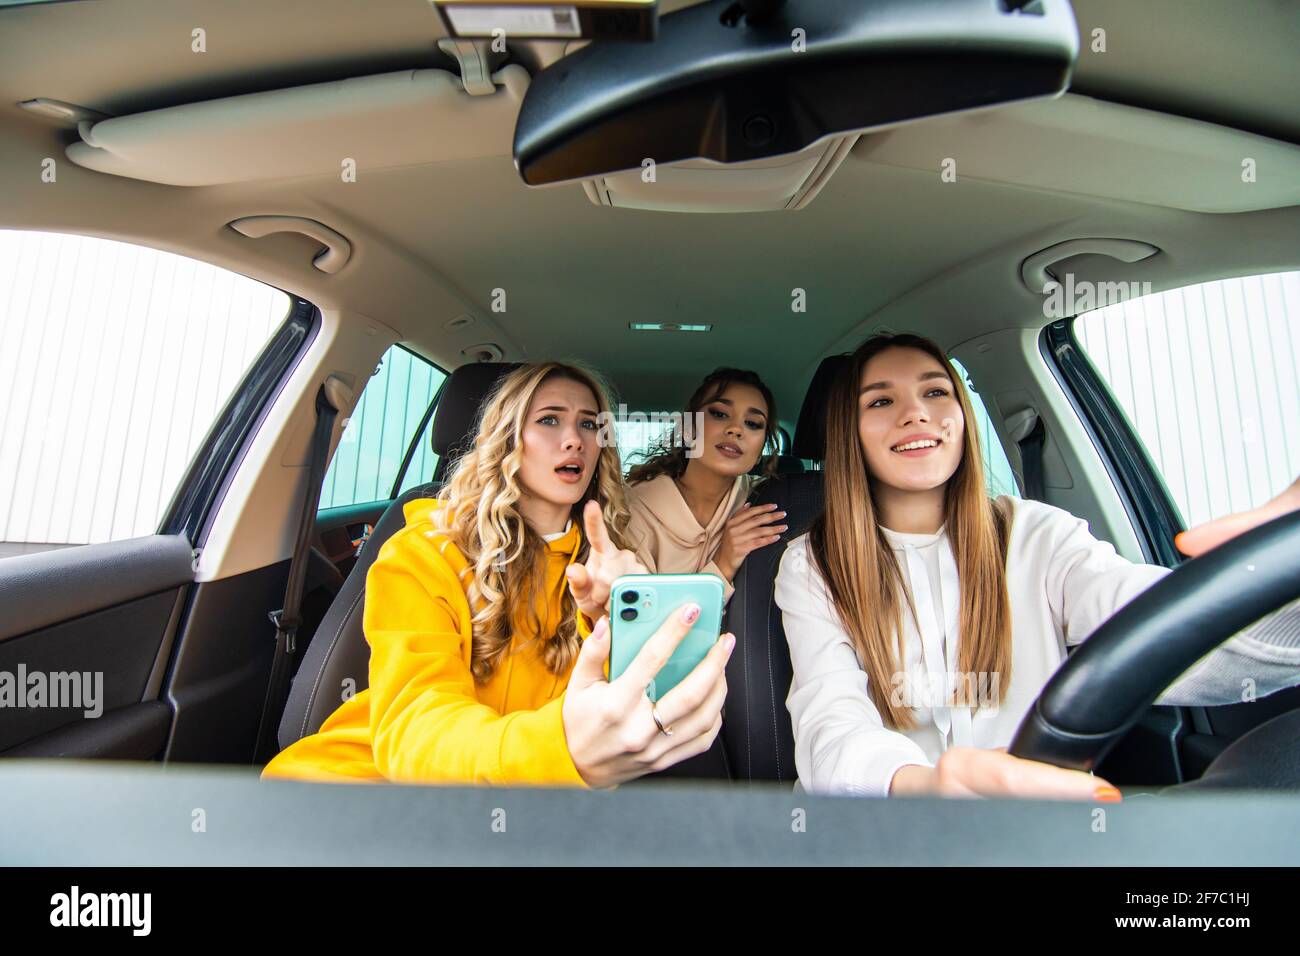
(342, 515)
(198, 496)
(1151, 510)
(54, 587)
(719, 87)
(135, 732)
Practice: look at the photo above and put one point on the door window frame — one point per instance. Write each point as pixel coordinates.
(1146, 499)
(200, 493)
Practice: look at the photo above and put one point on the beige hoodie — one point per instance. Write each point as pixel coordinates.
(665, 534)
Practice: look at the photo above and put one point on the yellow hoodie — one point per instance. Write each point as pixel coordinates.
(423, 718)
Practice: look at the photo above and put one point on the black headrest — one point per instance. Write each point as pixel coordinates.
(810, 432)
(462, 396)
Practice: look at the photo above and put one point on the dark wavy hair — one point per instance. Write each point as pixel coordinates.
(668, 455)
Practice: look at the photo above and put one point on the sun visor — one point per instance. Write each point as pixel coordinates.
(1076, 144)
(412, 117)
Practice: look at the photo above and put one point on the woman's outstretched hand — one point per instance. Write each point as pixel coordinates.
(1196, 541)
(750, 528)
(591, 581)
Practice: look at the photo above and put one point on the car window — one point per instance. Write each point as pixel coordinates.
(1207, 376)
(638, 434)
(424, 461)
(380, 430)
(115, 360)
(999, 477)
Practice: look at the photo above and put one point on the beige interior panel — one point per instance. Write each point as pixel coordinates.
(1007, 367)
(702, 185)
(1079, 145)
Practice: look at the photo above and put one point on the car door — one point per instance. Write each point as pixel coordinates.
(1194, 397)
(133, 379)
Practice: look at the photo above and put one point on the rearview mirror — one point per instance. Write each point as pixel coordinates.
(718, 84)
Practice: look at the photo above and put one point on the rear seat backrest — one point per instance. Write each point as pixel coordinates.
(757, 734)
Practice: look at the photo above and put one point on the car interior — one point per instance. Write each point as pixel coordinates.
(365, 161)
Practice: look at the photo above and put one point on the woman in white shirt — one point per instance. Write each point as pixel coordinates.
(924, 619)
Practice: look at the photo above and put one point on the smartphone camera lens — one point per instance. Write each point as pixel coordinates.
(629, 597)
(628, 614)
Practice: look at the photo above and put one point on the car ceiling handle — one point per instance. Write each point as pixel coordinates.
(1035, 272)
(337, 250)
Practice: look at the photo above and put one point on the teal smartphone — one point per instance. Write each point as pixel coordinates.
(639, 605)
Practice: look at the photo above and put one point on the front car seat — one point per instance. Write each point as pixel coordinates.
(338, 649)
(757, 734)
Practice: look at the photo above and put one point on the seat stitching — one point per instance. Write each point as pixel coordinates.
(325, 663)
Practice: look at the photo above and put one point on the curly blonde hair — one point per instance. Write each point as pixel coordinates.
(480, 515)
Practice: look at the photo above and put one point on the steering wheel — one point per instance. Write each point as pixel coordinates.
(1107, 684)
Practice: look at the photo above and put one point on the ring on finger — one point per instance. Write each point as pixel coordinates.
(654, 712)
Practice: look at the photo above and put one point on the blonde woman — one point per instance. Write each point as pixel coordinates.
(690, 512)
(924, 619)
(484, 664)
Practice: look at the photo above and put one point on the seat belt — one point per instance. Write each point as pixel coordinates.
(1026, 428)
(288, 619)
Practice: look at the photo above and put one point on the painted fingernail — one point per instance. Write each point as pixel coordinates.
(602, 626)
(731, 643)
(691, 612)
(1107, 794)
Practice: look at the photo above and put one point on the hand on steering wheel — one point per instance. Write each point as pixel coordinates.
(1246, 570)
(1204, 537)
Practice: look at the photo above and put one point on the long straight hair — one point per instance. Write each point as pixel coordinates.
(859, 567)
(480, 514)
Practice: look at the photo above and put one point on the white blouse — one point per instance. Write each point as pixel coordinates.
(1063, 584)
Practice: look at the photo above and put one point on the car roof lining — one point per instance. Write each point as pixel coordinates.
(880, 245)
(1169, 55)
